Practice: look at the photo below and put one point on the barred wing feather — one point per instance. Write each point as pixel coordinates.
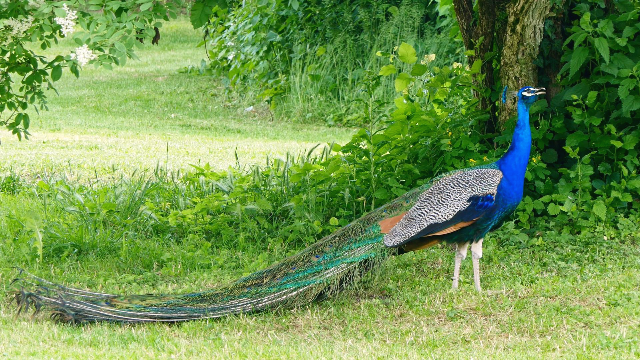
(451, 202)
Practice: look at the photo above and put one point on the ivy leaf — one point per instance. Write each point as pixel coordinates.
(388, 70)
(577, 59)
(600, 209)
(407, 54)
(603, 48)
(402, 81)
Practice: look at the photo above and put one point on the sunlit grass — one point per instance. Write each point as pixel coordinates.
(149, 114)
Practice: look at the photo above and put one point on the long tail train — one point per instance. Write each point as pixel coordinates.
(321, 270)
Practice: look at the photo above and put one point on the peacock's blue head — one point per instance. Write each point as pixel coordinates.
(529, 94)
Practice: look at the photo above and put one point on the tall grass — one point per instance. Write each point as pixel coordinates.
(325, 84)
(312, 70)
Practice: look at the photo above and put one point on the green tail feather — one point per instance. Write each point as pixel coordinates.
(320, 270)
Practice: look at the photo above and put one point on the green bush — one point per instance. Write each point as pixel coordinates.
(585, 166)
(317, 52)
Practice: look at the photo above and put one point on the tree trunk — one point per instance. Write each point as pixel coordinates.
(479, 35)
(525, 22)
(511, 29)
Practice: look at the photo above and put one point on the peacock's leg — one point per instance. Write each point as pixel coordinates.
(476, 254)
(461, 254)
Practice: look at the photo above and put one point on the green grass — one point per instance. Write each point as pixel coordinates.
(147, 113)
(548, 295)
(541, 302)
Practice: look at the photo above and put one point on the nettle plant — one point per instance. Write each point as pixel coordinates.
(589, 139)
(106, 34)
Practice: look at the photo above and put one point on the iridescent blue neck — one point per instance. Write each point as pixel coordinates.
(514, 162)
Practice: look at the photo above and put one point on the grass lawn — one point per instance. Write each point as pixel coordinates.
(553, 296)
(147, 114)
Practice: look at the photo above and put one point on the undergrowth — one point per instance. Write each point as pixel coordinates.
(312, 71)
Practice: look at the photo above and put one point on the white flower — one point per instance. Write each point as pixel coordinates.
(457, 65)
(83, 54)
(19, 26)
(34, 4)
(231, 56)
(67, 22)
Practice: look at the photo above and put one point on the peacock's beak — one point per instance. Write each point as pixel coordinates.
(534, 91)
(539, 91)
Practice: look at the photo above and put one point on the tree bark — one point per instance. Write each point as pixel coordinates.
(524, 31)
(479, 35)
(513, 30)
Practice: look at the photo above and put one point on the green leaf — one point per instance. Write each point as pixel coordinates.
(333, 221)
(120, 47)
(576, 138)
(407, 54)
(630, 103)
(475, 68)
(402, 81)
(630, 141)
(419, 70)
(56, 73)
(201, 10)
(603, 48)
(634, 183)
(146, 6)
(553, 209)
(585, 22)
(381, 193)
(264, 204)
(600, 209)
(625, 87)
(388, 70)
(629, 31)
(577, 59)
(616, 143)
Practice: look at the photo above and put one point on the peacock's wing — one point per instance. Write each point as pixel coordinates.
(452, 202)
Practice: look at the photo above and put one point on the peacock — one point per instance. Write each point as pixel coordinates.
(459, 207)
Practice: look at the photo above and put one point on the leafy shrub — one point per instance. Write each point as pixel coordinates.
(586, 167)
(316, 52)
